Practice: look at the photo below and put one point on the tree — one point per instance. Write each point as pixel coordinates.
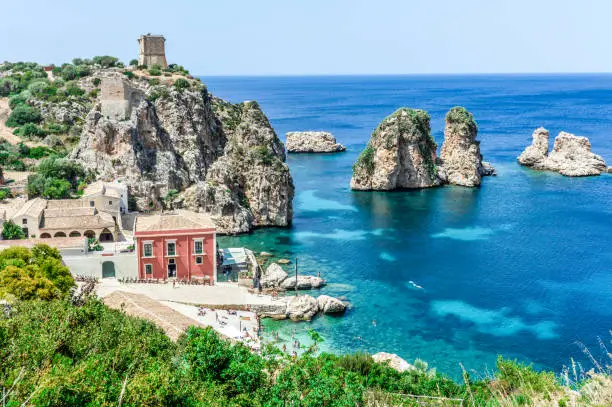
(105, 61)
(11, 231)
(56, 188)
(134, 62)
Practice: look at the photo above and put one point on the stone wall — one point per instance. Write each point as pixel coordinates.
(152, 51)
(117, 98)
(126, 264)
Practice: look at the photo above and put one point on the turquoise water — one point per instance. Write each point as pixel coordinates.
(519, 267)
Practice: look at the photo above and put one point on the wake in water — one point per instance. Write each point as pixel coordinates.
(415, 285)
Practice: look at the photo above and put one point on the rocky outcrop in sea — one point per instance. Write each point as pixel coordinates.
(312, 142)
(401, 153)
(275, 277)
(223, 158)
(571, 155)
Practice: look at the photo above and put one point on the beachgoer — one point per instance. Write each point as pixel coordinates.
(284, 348)
(374, 322)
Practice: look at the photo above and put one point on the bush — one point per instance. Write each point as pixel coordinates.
(39, 152)
(56, 128)
(29, 130)
(366, 160)
(154, 82)
(68, 72)
(56, 178)
(129, 74)
(23, 114)
(155, 72)
(74, 90)
(262, 154)
(19, 99)
(180, 84)
(11, 231)
(9, 86)
(105, 61)
(97, 81)
(134, 62)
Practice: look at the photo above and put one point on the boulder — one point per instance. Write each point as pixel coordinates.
(394, 361)
(571, 155)
(273, 276)
(302, 308)
(460, 154)
(401, 153)
(303, 282)
(330, 305)
(312, 142)
(265, 254)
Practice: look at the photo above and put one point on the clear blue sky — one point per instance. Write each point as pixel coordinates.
(266, 37)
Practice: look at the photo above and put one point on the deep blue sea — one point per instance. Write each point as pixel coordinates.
(520, 267)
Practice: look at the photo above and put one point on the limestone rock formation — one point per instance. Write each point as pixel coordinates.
(273, 276)
(401, 153)
(302, 308)
(303, 283)
(571, 155)
(330, 305)
(312, 142)
(393, 361)
(225, 158)
(460, 158)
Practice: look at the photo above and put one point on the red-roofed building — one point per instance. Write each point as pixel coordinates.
(176, 245)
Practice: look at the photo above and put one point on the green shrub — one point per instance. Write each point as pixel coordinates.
(39, 152)
(262, 154)
(514, 376)
(68, 72)
(155, 72)
(18, 99)
(154, 82)
(74, 90)
(460, 115)
(9, 86)
(30, 130)
(366, 159)
(56, 128)
(11, 231)
(23, 114)
(97, 81)
(94, 93)
(5, 193)
(134, 62)
(181, 84)
(129, 74)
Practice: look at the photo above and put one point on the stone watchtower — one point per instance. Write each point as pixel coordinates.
(152, 50)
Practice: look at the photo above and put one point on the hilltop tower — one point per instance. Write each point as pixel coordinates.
(152, 50)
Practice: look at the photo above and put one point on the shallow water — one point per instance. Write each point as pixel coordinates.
(519, 267)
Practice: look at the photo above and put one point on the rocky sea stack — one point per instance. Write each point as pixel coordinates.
(571, 155)
(174, 139)
(312, 142)
(401, 153)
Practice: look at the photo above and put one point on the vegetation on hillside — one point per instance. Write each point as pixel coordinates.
(57, 178)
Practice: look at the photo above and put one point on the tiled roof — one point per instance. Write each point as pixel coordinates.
(102, 188)
(67, 203)
(98, 221)
(177, 220)
(59, 212)
(33, 207)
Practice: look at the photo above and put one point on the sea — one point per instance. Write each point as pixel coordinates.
(520, 267)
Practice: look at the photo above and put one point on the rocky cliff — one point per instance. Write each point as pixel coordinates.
(461, 161)
(225, 159)
(312, 142)
(571, 155)
(401, 153)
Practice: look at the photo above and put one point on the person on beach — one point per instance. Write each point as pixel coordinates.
(374, 322)
(284, 348)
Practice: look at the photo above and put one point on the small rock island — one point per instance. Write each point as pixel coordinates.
(571, 155)
(312, 142)
(401, 153)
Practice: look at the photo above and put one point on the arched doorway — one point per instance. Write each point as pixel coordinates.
(90, 234)
(108, 269)
(74, 233)
(106, 235)
(59, 234)
(45, 236)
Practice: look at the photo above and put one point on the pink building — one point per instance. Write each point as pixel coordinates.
(180, 244)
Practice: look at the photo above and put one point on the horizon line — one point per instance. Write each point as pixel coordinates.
(404, 74)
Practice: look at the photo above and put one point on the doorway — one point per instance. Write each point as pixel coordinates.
(171, 268)
(108, 269)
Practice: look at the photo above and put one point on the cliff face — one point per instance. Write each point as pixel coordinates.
(461, 161)
(312, 142)
(225, 158)
(400, 154)
(571, 155)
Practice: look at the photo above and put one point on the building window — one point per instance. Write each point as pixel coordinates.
(171, 248)
(198, 246)
(110, 202)
(147, 249)
(92, 203)
(24, 221)
(198, 259)
(148, 269)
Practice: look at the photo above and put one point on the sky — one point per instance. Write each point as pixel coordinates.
(320, 37)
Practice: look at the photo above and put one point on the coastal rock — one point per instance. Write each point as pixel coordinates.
(535, 154)
(460, 154)
(225, 159)
(330, 305)
(303, 283)
(571, 155)
(302, 308)
(394, 361)
(273, 276)
(312, 142)
(401, 153)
